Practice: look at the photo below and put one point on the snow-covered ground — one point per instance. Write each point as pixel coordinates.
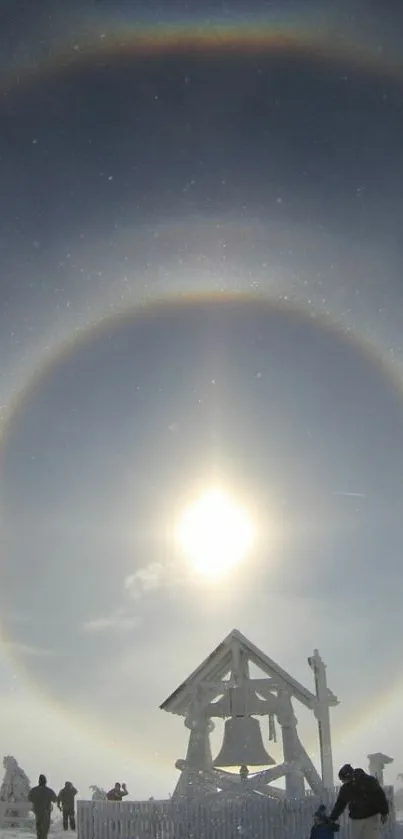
(56, 831)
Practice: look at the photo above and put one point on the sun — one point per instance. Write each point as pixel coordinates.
(215, 533)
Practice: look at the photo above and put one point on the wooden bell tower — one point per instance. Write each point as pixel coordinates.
(221, 687)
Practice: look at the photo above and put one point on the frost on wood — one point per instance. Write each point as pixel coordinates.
(377, 763)
(399, 794)
(16, 785)
(222, 686)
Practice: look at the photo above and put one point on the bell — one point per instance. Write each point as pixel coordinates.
(242, 744)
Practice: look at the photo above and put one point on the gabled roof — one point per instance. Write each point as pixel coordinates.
(220, 662)
(382, 757)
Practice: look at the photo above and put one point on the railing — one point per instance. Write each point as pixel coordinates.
(249, 817)
(15, 813)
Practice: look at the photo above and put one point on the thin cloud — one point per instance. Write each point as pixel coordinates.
(26, 649)
(16, 617)
(350, 494)
(119, 623)
(144, 580)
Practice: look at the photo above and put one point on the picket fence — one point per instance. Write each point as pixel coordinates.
(246, 817)
(17, 814)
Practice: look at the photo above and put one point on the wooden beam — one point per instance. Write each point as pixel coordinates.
(220, 662)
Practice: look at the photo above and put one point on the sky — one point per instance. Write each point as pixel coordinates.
(201, 285)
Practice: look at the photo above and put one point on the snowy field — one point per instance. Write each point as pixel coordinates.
(56, 831)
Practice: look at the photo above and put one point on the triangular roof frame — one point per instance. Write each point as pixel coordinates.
(219, 663)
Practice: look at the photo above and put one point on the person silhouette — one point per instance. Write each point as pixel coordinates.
(366, 800)
(65, 802)
(117, 792)
(42, 797)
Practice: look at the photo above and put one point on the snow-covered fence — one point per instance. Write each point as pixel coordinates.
(15, 813)
(131, 819)
(247, 817)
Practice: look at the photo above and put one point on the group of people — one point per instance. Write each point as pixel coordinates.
(367, 804)
(43, 797)
(362, 793)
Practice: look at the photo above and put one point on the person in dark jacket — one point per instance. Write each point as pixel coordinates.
(65, 802)
(41, 798)
(323, 828)
(117, 793)
(366, 800)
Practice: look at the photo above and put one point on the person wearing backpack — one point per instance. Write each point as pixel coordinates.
(368, 807)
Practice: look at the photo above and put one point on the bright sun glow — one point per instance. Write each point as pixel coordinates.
(215, 533)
